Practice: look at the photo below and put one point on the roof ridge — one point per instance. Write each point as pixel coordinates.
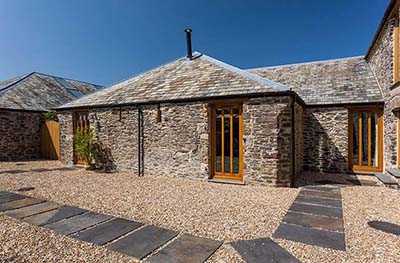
(143, 72)
(246, 74)
(53, 76)
(12, 84)
(306, 63)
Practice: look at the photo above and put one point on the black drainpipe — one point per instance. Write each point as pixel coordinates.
(140, 143)
(293, 132)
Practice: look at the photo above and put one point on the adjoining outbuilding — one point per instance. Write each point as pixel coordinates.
(23, 102)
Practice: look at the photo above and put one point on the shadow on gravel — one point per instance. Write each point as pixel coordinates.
(385, 227)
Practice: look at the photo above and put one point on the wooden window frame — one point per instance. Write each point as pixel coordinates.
(212, 140)
(396, 49)
(361, 168)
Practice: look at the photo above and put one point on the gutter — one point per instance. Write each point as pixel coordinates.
(192, 99)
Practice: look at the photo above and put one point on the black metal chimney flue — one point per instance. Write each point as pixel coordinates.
(189, 43)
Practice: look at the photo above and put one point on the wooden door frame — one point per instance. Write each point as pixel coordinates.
(358, 168)
(212, 140)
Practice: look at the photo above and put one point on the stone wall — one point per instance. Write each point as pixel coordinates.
(326, 139)
(267, 136)
(20, 135)
(299, 138)
(380, 60)
(178, 145)
(65, 120)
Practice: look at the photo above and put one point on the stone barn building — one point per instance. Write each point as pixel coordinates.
(198, 117)
(23, 102)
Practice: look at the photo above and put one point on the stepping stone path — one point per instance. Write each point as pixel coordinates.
(143, 241)
(315, 218)
(186, 248)
(128, 237)
(104, 233)
(19, 203)
(263, 250)
(32, 210)
(8, 197)
(54, 215)
(77, 223)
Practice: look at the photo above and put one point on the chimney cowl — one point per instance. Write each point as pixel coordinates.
(189, 54)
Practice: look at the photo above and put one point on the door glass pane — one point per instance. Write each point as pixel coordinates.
(374, 139)
(227, 140)
(364, 138)
(355, 139)
(235, 141)
(218, 142)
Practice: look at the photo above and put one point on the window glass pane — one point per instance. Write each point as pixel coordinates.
(218, 143)
(236, 144)
(355, 139)
(364, 138)
(227, 139)
(374, 139)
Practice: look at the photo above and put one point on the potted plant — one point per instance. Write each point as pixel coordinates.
(85, 147)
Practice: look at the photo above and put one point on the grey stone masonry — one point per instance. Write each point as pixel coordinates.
(380, 60)
(20, 134)
(66, 137)
(178, 144)
(267, 136)
(326, 139)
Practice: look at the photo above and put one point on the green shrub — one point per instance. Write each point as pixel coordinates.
(85, 148)
(51, 115)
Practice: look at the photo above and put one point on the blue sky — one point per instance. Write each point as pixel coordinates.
(107, 41)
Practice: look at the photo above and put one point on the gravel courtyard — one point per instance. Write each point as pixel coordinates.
(217, 211)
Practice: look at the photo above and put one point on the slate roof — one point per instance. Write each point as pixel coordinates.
(203, 77)
(41, 92)
(340, 81)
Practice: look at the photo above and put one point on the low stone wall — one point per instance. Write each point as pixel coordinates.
(326, 140)
(20, 135)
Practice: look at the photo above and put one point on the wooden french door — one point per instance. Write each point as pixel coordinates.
(366, 140)
(81, 122)
(226, 141)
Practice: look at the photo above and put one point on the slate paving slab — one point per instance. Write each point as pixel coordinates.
(323, 222)
(186, 248)
(318, 201)
(32, 210)
(311, 236)
(321, 188)
(385, 227)
(19, 203)
(386, 179)
(106, 232)
(8, 197)
(77, 223)
(316, 210)
(332, 195)
(143, 241)
(263, 250)
(54, 215)
(393, 171)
